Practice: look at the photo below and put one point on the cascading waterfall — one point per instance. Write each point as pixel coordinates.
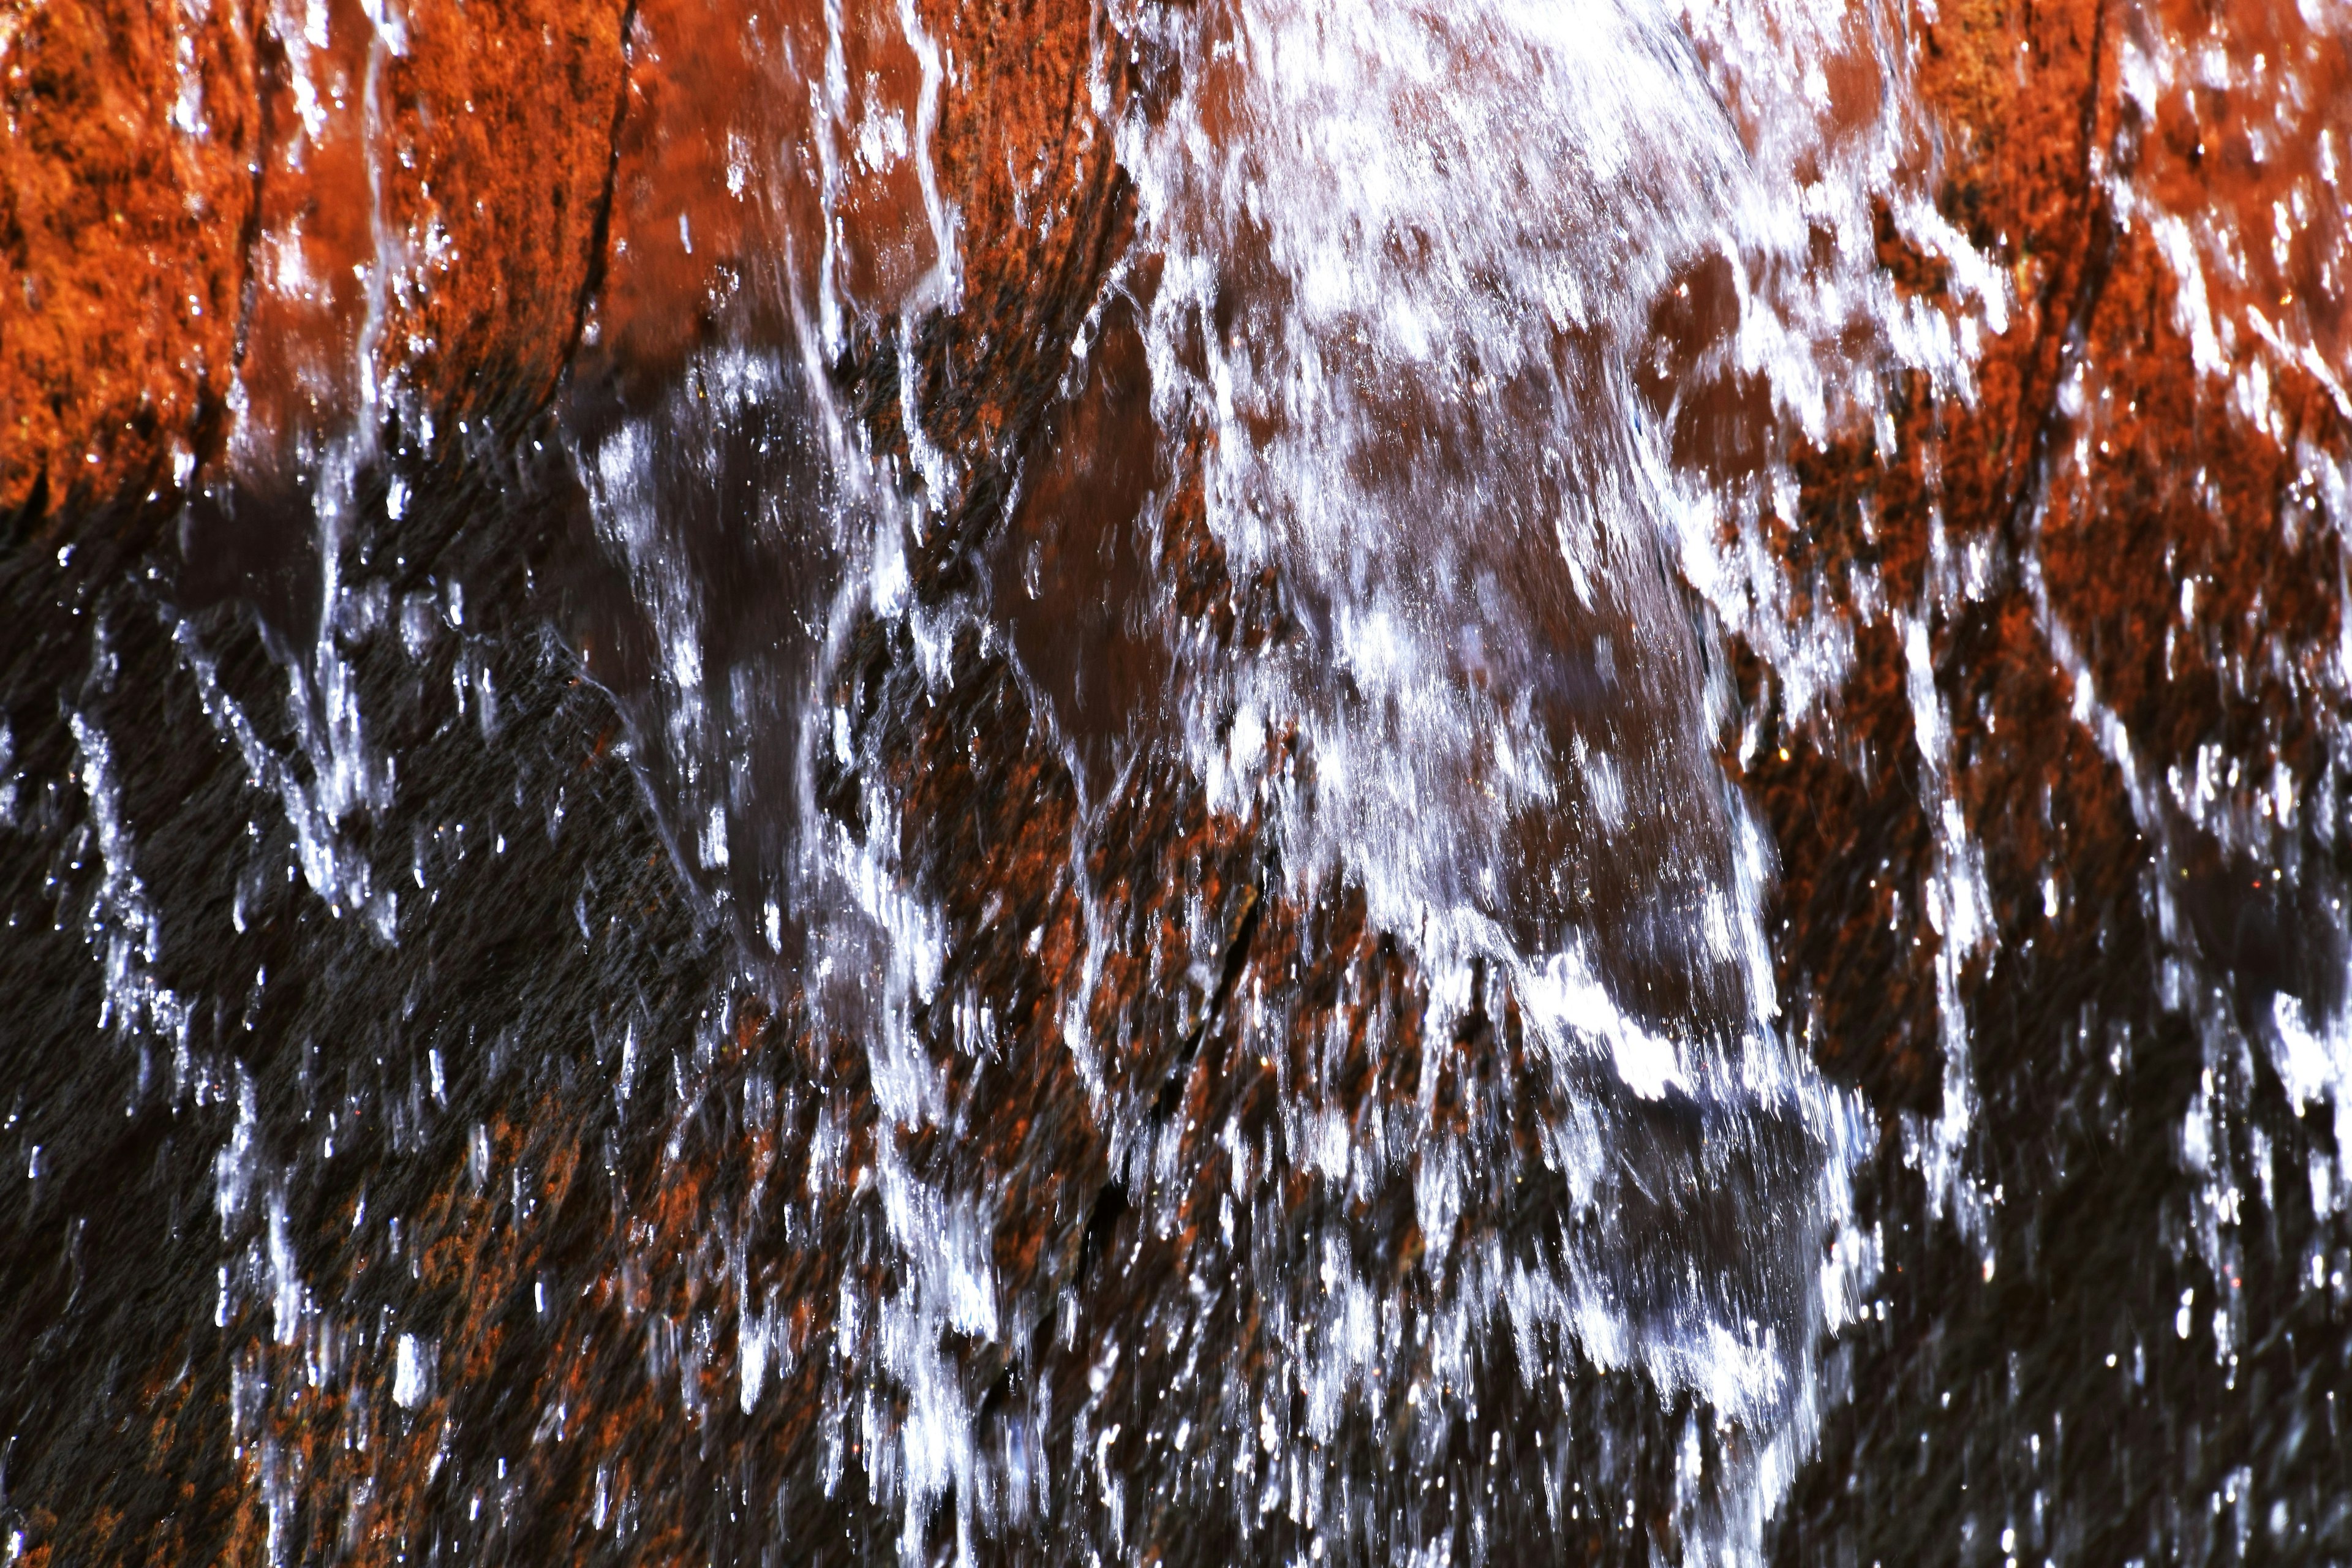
(1235, 943)
(1384, 276)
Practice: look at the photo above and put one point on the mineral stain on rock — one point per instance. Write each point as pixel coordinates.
(1241, 781)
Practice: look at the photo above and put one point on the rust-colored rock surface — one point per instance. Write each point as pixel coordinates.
(2121, 509)
(2104, 569)
(359, 211)
(432, 209)
(126, 204)
(302, 206)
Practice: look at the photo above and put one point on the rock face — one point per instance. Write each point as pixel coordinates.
(722, 849)
(124, 246)
(190, 192)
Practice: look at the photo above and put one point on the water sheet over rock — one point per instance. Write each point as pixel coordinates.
(1241, 781)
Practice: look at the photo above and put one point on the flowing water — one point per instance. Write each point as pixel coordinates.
(733, 976)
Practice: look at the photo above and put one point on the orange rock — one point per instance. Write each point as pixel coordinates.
(125, 198)
(500, 120)
(186, 207)
(2108, 448)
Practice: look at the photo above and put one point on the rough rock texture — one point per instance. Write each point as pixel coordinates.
(2102, 498)
(126, 204)
(431, 218)
(174, 208)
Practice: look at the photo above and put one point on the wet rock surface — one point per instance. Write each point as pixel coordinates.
(709, 854)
